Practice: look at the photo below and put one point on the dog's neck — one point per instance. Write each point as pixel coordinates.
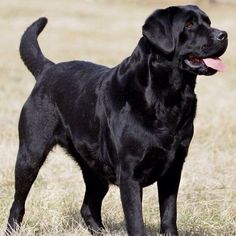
(153, 76)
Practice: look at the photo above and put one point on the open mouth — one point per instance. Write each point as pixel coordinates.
(213, 64)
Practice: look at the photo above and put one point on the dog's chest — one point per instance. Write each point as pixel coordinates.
(172, 114)
(157, 160)
(173, 126)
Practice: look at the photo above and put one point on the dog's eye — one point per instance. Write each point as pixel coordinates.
(189, 24)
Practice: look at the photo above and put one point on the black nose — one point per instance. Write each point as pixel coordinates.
(222, 35)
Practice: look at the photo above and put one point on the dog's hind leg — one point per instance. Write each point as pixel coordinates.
(36, 132)
(96, 189)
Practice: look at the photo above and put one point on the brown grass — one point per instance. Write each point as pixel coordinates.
(105, 32)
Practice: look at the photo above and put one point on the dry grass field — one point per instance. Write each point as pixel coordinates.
(106, 31)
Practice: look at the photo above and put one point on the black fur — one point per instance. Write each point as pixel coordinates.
(130, 125)
(30, 51)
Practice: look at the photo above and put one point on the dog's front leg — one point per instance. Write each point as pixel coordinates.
(130, 190)
(168, 187)
(168, 190)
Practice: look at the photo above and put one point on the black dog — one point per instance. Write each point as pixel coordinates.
(130, 125)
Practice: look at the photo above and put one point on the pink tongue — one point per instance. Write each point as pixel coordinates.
(215, 63)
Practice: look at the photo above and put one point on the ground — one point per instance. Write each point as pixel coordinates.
(106, 32)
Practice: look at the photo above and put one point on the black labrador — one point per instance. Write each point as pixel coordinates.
(130, 125)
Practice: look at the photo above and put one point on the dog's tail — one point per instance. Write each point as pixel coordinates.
(30, 51)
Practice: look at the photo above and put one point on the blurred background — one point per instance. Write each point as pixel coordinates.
(105, 32)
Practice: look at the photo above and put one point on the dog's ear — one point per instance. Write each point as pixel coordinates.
(158, 30)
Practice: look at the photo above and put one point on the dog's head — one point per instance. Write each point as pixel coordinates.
(185, 33)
